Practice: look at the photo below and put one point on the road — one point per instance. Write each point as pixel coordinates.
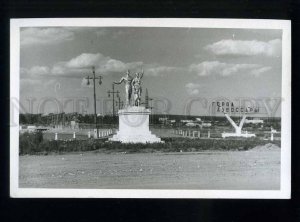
(231, 170)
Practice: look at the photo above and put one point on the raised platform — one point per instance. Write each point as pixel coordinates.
(134, 126)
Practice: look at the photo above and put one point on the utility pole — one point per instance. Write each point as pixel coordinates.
(146, 99)
(150, 107)
(119, 103)
(94, 78)
(113, 92)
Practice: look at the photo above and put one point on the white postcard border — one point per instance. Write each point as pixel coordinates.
(285, 175)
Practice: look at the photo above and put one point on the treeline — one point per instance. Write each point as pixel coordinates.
(34, 144)
(65, 118)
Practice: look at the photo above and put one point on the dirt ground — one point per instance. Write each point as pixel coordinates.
(258, 169)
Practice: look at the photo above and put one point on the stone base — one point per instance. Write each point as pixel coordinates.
(135, 139)
(134, 126)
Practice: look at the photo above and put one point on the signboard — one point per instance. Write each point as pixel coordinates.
(232, 108)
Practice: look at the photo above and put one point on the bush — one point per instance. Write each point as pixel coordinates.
(30, 142)
(33, 143)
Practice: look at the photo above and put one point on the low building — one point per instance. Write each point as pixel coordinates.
(206, 124)
(254, 121)
(74, 124)
(186, 121)
(162, 119)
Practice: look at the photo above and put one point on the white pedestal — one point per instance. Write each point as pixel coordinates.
(134, 126)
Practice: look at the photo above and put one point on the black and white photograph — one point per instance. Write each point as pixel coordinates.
(150, 108)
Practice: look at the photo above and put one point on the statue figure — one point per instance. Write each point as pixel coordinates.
(137, 89)
(128, 86)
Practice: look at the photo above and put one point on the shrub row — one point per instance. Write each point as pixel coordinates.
(34, 144)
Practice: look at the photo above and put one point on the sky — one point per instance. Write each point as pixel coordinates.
(180, 65)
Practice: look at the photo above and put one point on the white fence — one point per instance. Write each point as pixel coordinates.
(103, 133)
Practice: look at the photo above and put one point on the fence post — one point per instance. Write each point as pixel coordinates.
(208, 134)
(194, 132)
(89, 134)
(272, 136)
(55, 138)
(74, 135)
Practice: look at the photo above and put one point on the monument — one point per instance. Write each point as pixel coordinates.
(134, 118)
(238, 129)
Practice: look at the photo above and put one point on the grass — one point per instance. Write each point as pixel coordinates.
(34, 144)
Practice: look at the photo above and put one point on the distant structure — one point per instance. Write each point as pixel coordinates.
(74, 124)
(254, 121)
(238, 129)
(195, 123)
(186, 121)
(206, 124)
(166, 121)
(163, 119)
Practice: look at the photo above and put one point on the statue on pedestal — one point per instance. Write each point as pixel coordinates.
(128, 86)
(137, 89)
(134, 119)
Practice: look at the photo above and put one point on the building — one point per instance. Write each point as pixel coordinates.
(254, 121)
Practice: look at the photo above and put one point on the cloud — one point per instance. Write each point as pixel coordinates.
(86, 60)
(193, 88)
(261, 70)
(35, 71)
(59, 69)
(84, 83)
(81, 65)
(36, 82)
(103, 64)
(113, 65)
(208, 68)
(45, 36)
(271, 48)
(159, 70)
